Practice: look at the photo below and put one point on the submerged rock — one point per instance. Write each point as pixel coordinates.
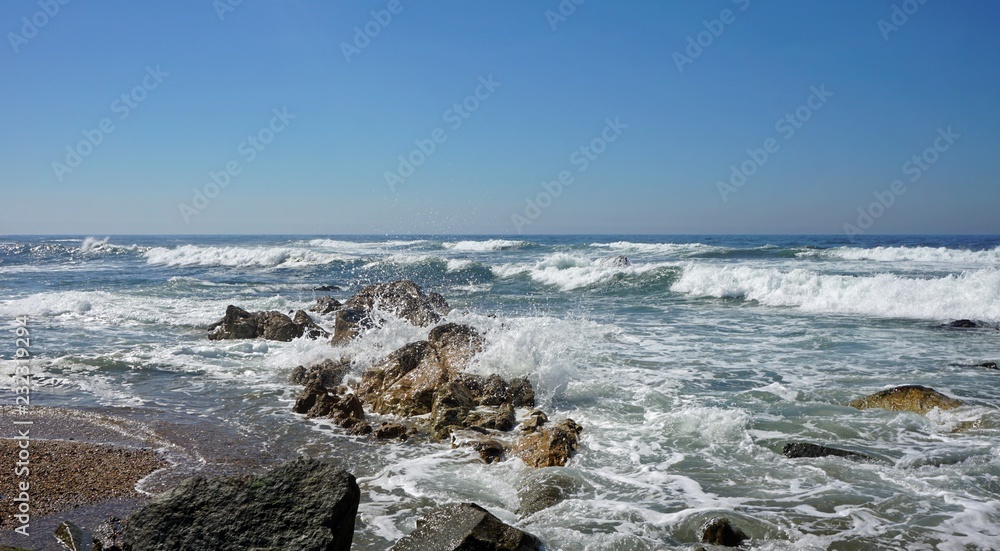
(915, 398)
(549, 447)
(796, 450)
(275, 326)
(545, 488)
(70, 536)
(404, 299)
(465, 527)
(963, 324)
(306, 505)
(720, 531)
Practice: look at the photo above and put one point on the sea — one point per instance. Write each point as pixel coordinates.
(689, 369)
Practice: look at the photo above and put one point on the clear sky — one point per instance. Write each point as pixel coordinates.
(115, 112)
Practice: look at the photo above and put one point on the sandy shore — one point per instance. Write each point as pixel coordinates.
(65, 475)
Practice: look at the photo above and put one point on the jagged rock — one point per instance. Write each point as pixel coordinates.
(328, 372)
(549, 447)
(522, 394)
(452, 403)
(545, 488)
(275, 326)
(534, 421)
(456, 344)
(915, 398)
(309, 327)
(503, 419)
(109, 535)
(465, 527)
(306, 505)
(325, 305)
(389, 431)
(403, 298)
(70, 536)
(314, 400)
(490, 450)
(797, 450)
(720, 531)
(361, 428)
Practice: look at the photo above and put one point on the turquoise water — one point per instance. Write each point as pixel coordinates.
(689, 369)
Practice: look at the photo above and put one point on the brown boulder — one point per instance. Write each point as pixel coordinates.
(325, 305)
(275, 326)
(309, 327)
(549, 447)
(403, 298)
(915, 398)
(329, 372)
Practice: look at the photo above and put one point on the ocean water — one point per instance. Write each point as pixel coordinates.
(689, 369)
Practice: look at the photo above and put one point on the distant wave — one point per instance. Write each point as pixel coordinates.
(266, 257)
(95, 245)
(973, 294)
(670, 249)
(485, 246)
(569, 271)
(912, 254)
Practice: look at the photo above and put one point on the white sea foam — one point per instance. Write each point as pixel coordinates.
(910, 254)
(485, 246)
(568, 271)
(666, 249)
(972, 294)
(261, 256)
(93, 244)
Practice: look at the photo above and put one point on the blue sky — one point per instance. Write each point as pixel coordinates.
(203, 84)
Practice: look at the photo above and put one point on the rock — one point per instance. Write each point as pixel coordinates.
(545, 488)
(314, 400)
(797, 450)
(309, 327)
(465, 527)
(306, 505)
(348, 324)
(963, 324)
(720, 531)
(988, 365)
(915, 398)
(328, 288)
(70, 536)
(361, 428)
(389, 431)
(503, 419)
(452, 403)
(329, 372)
(325, 305)
(549, 447)
(534, 421)
(275, 326)
(456, 344)
(522, 394)
(404, 299)
(109, 535)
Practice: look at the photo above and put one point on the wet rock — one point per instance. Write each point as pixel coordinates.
(348, 324)
(796, 450)
(720, 531)
(549, 447)
(314, 400)
(534, 421)
(963, 324)
(522, 394)
(329, 372)
(328, 288)
(309, 327)
(361, 428)
(452, 403)
(545, 488)
(70, 536)
(347, 410)
(503, 419)
(456, 344)
(988, 365)
(403, 298)
(490, 449)
(306, 505)
(110, 535)
(465, 527)
(390, 431)
(915, 398)
(275, 326)
(325, 305)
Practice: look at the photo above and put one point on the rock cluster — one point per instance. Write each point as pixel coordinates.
(404, 299)
(272, 325)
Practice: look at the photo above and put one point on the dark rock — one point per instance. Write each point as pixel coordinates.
(70, 536)
(522, 394)
(549, 447)
(503, 419)
(963, 324)
(797, 450)
(348, 324)
(915, 398)
(988, 365)
(404, 299)
(307, 400)
(616, 262)
(236, 324)
(306, 505)
(545, 488)
(465, 527)
(275, 326)
(309, 327)
(452, 403)
(389, 431)
(110, 535)
(329, 372)
(490, 450)
(456, 344)
(361, 428)
(720, 531)
(325, 305)
(328, 288)
(347, 410)
(534, 421)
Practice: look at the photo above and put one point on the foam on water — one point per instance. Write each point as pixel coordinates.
(679, 250)
(910, 254)
(485, 246)
(568, 271)
(972, 294)
(260, 257)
